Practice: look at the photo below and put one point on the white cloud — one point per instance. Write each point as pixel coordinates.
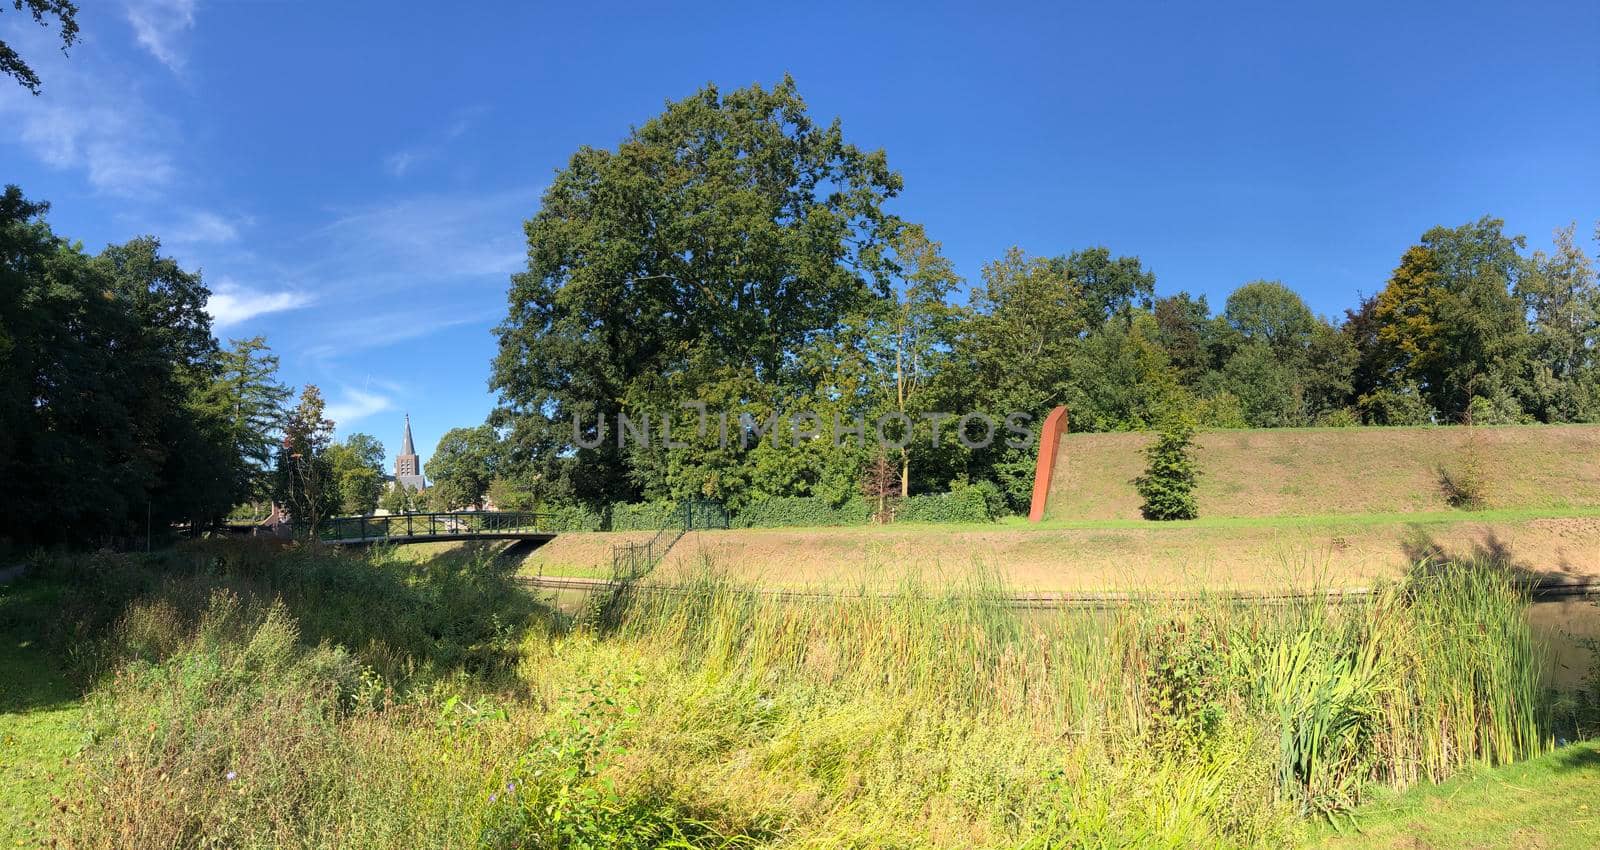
(355, 404)
(404, 161)
(91, 118)
(386, 329)
(231, 303)
(422, 239)
(66, 132)
(397, 164)
(161, 26)
(200, 227)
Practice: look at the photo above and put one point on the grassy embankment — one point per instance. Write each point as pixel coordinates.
(1279, 508)
(313, 698)
(1550, 802)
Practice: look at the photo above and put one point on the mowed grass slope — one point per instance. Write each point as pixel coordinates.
(1216, 555)
(1317, 471)
(1551, 802)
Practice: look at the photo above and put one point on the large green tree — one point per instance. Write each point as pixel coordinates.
(245, 394)
(304, 482)
(105, 423)
(713, 243)
(1449, 323)
(464, 464)
(1562, 296)
(357, 467)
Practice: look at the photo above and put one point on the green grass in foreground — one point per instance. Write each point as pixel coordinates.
(255, 696)
(1551, 802)
(39, 727)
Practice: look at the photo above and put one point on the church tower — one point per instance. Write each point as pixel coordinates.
(407, 466)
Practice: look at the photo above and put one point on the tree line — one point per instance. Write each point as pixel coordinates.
(122, 416)
(734, 252)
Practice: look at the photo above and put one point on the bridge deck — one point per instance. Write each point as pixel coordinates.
(444, 537)
(421, 528)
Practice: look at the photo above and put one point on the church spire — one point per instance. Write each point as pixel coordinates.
(407, 466)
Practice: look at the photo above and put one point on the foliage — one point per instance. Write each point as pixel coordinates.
(66, 14)
(1167, 485)
(964, 505)
(880, 482)
(710, 246)
(117, 408)
(1270, 313)
(400, 499)
(463, 466)
(801, 511)
(357, 469)
(304, 482)
(246, 394)
(648, 516)
(723, 717)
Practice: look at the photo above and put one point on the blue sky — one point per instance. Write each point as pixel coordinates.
(352, 178)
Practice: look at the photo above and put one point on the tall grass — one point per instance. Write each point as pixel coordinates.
(714, 715)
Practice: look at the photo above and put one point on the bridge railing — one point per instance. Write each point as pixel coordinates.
(450, 524)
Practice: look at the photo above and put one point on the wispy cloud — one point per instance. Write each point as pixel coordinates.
(404, 161)
(117, 157)
(162, 28)
(365, 333)
(354, 405)
(400, 162)
(232, 303)
(94, 122)
(203, 227)
(421, 239)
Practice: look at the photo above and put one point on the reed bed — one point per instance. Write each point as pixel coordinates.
(718, 716)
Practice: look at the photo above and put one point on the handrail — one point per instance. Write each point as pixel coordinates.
(440, 524)
(632, 561)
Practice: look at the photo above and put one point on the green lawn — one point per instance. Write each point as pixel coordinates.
(1550, 803)
(39, 724)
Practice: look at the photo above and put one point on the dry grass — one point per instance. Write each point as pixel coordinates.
(1312, 471)
(1247, 557)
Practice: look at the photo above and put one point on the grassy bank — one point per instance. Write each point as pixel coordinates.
(1551, 802)
(255, 697)
(1244, 555)
(1317, 471)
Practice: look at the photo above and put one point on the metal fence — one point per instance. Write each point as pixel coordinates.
(452, 524)
(632, 561)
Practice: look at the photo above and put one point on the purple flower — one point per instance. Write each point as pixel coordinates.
(493, 797)
(230, 776)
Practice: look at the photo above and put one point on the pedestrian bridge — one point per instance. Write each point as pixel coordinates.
(422, 528)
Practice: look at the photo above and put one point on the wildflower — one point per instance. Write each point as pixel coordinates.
(230, 776)
(493, 797)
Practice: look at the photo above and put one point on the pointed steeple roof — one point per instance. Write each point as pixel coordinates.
(405, 446)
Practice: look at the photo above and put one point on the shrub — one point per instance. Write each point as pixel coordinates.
(963, 505)
(1341, 417)
(645, 516)
(572, 518)
(1169, 479)
(793, 511)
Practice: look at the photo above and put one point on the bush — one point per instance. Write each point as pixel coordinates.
(1341, 417)
(966, 504)
(793, 511)
(645, 516)
(1169, 479)
(572, 518)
